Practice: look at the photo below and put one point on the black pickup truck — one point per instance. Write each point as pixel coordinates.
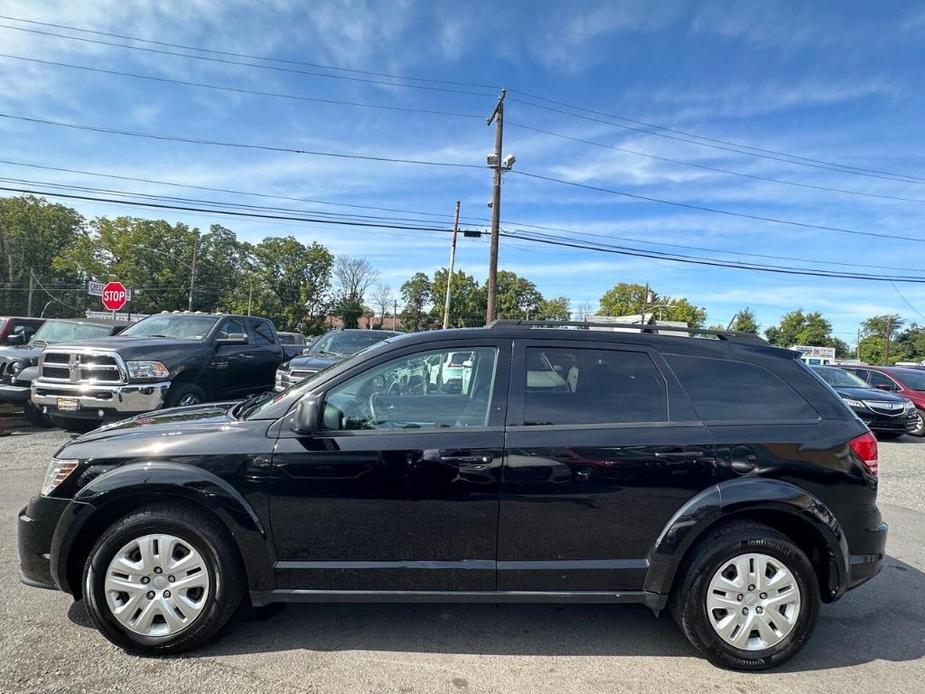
(165, 360)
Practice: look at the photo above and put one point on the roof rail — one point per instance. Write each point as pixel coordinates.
(727, 335)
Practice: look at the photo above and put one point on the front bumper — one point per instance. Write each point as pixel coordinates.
(36, 527)
(899, 423)
(92, 399)
(11, 393)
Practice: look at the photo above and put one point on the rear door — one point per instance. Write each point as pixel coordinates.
(602, 449)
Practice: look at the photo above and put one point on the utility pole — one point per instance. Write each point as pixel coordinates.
(449, 278)
(192, 274)
(645, 304)
(31, 290)
(886, 341)
(395, 314)
(498, 117)
(250, 296)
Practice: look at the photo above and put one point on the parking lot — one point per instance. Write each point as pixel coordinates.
(873, 639)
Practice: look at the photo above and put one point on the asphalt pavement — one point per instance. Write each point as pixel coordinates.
(871, 640)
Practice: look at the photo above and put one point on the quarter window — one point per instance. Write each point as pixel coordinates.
(727, 390)
(427, 390)
(592, 386)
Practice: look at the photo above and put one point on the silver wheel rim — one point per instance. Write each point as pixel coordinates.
(919, 423)
(189, 399)
(157, 585)
(753, 602)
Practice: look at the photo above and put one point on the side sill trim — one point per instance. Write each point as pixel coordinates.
(653, 600)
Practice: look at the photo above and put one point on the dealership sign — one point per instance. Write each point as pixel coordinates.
(812, 351)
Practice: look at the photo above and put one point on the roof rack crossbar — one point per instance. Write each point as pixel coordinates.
(728, 335)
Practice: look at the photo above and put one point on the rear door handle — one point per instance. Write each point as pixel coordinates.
(679, 454)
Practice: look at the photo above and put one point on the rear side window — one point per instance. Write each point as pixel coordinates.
(726, 390)
(592, 386)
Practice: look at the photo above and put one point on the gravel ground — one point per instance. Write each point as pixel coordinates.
(873, 639)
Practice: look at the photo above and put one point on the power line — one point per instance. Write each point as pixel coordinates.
(713, 210)
(906, 301)
(714, 169)
(228, 61)
(241, 90)
(475, 220)
(221, 143)
(537, 238)
(715, 143)
(251, 57)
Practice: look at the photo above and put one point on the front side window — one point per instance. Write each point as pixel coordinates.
(592, 386)
(879, 380)
(727, 390)
(232, 328)
(425, 390)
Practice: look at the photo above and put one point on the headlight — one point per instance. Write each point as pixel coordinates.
(15, 367)
(909, 406)
(58, 471)
(854, 403)
(146, 369)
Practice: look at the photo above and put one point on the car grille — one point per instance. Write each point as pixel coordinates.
(887, 408)
(74, 366)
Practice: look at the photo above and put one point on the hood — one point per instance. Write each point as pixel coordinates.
(872, 394)
(25, 353)
(133, 347)
(194, 419)
(316, 360)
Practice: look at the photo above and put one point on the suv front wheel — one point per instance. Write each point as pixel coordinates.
(749, 598)
(163, 580)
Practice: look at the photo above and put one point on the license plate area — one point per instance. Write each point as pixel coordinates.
(68, 404)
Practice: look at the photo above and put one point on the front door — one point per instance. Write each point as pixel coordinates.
(399, 490)
(231, 363)
(595, 466)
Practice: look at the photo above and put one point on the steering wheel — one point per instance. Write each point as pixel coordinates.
(377, 408)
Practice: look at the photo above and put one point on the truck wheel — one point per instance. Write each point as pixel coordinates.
(74, 424)
(35, 416)
(162, 580)
(748, 599)
(183, 394)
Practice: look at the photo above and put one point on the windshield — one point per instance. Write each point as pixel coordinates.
(342, 342)
(172, 325)
(912, 379)
(840, 379)
(53, 331)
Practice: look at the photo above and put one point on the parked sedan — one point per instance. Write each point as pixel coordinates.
(331, 348)
(910, 383)
(883, 412)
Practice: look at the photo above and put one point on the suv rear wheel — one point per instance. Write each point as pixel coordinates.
(749, 598)
(163, 580)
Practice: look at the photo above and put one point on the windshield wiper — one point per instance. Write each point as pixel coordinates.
(252, 402)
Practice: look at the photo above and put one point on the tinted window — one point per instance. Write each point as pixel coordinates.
(878, 379)
(231, 327)
(263, 333)
(419, 391)
(912, 379)
(592, 386)
(726, 390)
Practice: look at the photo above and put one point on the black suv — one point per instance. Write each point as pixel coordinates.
(716, 478)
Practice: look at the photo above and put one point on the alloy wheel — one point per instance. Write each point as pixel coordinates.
(753, 602)
(189, 399)
(157, 585)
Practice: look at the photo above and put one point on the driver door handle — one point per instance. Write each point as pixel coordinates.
(465, 458)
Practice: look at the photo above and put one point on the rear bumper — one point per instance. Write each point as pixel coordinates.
(111, 400)
(865, 565)
(10, 393)
(36, 528)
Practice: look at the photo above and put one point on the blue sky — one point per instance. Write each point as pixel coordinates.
(839, 81)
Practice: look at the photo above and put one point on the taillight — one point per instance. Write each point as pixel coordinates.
(865, 448)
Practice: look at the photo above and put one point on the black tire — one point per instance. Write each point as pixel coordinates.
(688, 600)
(920, 427)
(210, 539)
(183, 394)
(35, 416)
(77, 425)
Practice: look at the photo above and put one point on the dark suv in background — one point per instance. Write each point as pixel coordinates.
(908, 382)
(718, 479)
(330, 348)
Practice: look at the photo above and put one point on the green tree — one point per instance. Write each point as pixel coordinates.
(877, 332)
(558, 308)
(910, 343)
(625, 299)
(745, 321)
(416, 294)
(680, 309)
(467, 304)
(802, 328)
(32, 233)
(517, 297)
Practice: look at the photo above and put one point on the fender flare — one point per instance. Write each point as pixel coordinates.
(734, 497)
(165, 481)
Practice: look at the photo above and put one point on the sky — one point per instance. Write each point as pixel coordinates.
(833, 82)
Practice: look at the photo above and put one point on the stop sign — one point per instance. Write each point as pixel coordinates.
(114, 296)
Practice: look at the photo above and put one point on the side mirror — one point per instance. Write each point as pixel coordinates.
(16, 339)
(232, 339)
(305, 419)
